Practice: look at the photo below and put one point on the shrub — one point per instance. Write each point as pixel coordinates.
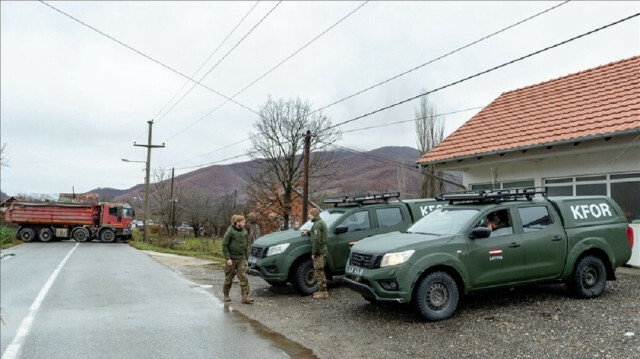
(8, 237)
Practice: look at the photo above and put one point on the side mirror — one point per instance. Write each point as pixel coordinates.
(341, 229)
(480, 232)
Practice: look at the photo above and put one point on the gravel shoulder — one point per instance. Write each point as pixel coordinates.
(540, 321)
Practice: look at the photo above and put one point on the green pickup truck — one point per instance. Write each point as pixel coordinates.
(285, 256)
(451, 251)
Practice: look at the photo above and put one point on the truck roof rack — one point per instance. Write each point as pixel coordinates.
(492, 195)
(361, 199)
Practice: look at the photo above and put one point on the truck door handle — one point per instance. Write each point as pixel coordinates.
(556, 238)
(514, 245)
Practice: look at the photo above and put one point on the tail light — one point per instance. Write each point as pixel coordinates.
(630, 236)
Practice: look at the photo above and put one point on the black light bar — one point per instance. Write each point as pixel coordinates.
(495, 195)
(361, 198)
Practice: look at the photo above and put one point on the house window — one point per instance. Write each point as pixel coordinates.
(623, 188)
(503, 185)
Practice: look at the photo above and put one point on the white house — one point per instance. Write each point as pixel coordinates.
(577, 135)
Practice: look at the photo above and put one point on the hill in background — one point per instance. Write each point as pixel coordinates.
(379, 170)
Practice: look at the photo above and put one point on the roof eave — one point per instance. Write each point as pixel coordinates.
(523, 148)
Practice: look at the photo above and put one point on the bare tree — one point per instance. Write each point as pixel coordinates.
(4, 161)
(161, 206)
(224, 207)
(430, 132)
(196, 206)
(277, 146)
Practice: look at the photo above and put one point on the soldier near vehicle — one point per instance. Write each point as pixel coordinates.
(285, 256)
(319, 237)
(235, 248)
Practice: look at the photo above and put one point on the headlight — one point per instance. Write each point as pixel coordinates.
(277, 249)
(394, 259)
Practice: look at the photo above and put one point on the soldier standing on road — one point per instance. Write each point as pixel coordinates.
(319, 252)
(235, 248)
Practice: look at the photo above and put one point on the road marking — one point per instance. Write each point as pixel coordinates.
(13, 350)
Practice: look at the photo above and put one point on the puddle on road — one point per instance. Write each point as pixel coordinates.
(293, 349)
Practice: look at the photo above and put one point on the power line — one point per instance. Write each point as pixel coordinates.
(374, 158)
(216, 150)
(441, 57)
(411, 120)
(354, 130)
(224, 57)
(146, 56)
(381, 83)
(271, 70)
(488, 71)
(201, 66)
(216, 162)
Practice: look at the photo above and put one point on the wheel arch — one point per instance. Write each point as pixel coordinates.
(450, 270)
(602, 255)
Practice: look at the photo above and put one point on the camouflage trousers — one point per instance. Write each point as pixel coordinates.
(318, 268)
(238, 267)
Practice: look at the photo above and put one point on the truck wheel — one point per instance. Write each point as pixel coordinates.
(80, 234)
(45, 234)
(304, 278)
(436, 297)
(589, 278)
(27, 234)
(107, 236)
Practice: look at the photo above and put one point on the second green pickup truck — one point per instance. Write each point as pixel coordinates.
(490, 239)
(285, 256)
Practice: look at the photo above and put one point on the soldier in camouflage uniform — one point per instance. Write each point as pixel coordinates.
(235, 248)
(319, 252)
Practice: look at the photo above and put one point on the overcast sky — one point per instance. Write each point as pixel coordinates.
(74, 101)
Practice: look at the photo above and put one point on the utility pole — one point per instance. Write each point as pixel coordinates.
(149, 146)
(305, 185)
(173, 206)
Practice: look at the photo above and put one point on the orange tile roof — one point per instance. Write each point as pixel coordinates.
(604, 100)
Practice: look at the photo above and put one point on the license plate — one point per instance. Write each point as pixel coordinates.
(354, 270)
(253, 260)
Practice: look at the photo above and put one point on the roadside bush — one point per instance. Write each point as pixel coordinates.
(8, 237)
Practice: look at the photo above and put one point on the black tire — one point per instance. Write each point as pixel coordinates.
(80, 234)
(27, 234)
(46, 235)
(107, 236)
(304, 278)
(589, 279)
(436, 297)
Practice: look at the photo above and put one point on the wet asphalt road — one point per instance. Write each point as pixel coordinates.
(100, 300)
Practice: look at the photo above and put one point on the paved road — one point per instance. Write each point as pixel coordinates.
(99, 300)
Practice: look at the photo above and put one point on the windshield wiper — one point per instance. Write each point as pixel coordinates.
(429, 234)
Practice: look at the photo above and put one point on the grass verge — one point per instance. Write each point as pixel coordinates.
(206, 248)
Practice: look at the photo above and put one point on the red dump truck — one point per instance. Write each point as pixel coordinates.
(107, 222)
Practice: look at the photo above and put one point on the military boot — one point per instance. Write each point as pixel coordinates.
(321, 295)
(225, 291)
(247, 300)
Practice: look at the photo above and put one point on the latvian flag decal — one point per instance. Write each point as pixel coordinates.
(495, 253)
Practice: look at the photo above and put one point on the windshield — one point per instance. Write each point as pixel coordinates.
(443, 221)
(128, 212)
(328, 217)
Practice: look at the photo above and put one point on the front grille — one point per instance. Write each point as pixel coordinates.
(365, 260)
(258, 252)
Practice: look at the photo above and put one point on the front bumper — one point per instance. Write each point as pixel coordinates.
(366, 291)
(255, 270)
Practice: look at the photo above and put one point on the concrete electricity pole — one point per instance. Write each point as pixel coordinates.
(149, 146)
(305, 185)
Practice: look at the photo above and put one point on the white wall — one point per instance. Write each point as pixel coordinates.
(635, 253)
(621, 154)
